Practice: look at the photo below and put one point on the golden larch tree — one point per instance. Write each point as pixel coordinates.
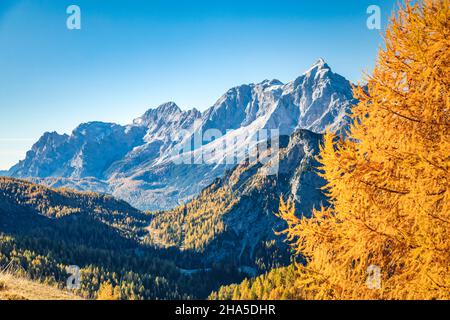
(108, 292)
(388, 180)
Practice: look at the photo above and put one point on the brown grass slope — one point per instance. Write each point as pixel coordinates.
(17, 288)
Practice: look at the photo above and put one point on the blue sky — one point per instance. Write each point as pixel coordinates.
(134, 54)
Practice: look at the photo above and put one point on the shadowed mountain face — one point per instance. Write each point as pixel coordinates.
(233, 219)
(43, 231)
(136, 162)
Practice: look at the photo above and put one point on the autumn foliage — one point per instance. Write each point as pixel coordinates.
(389, 180)
(108, 292)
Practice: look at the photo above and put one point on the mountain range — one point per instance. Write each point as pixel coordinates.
(138, 162)
(207, 218)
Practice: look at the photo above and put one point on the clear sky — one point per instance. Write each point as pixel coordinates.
(134, 54)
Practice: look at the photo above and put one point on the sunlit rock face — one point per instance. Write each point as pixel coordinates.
(136, 162)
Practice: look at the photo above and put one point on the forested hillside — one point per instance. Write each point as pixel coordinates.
(277, 284)
(233, 220)
(43, 231)
(60, 203)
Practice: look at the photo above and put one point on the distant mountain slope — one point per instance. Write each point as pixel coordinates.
(136, 162)
(233, 219)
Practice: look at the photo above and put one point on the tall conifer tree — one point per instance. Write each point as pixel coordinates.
(389, 180)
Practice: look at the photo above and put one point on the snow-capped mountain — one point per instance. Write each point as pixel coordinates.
(140, 162)
(87, 152)
(313, 101)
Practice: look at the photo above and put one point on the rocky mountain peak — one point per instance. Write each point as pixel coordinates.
(165, 112)
(136, 161)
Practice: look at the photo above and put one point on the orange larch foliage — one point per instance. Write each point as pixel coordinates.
(389, 180)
